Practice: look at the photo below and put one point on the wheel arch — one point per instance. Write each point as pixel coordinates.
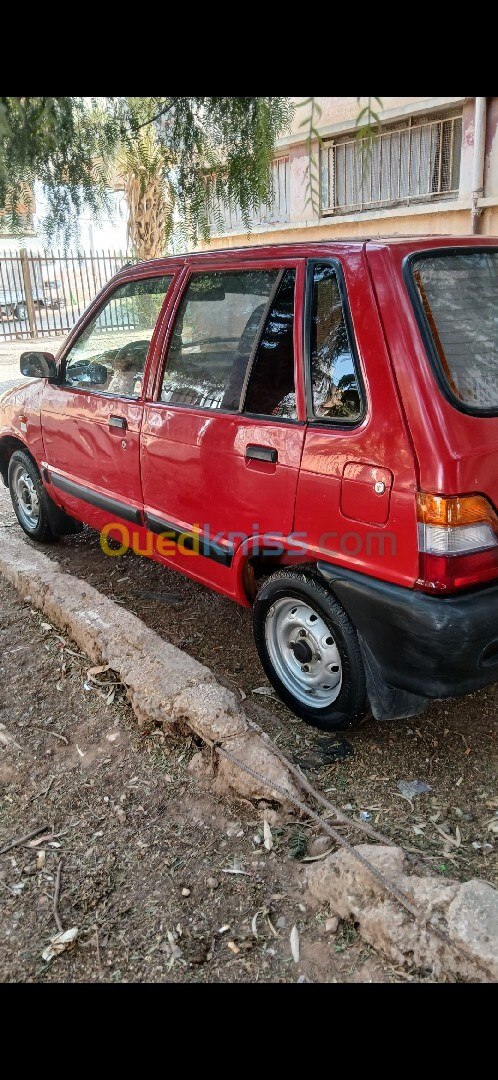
(8, 444)
(257, 558)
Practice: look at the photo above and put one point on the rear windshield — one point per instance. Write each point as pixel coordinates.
(457, 295)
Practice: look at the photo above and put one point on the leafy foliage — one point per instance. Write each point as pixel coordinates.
(298, 845)
(179, 154)
(312, 190)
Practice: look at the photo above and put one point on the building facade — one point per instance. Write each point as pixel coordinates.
(432, 167)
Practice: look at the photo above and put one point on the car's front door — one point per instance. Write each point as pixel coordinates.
(91, 419)
(222, 440)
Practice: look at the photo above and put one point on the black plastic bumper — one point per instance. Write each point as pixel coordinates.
(431, 646)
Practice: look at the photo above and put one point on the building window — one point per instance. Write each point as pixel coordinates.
(417, 160)
(222, 219)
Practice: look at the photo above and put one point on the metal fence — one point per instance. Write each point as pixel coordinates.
(42, 295)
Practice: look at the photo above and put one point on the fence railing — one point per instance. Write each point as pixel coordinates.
(42, 295)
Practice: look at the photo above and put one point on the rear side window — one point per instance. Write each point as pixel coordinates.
(456, 295)
(271, 390)
(213, 339)
(334, 377)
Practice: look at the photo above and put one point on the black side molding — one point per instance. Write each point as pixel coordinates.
(208, 548)
(103, 502)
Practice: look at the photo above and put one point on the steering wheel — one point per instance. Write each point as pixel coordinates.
(127, 352)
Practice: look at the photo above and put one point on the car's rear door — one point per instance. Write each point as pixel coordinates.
(223, 434)
(91, 430)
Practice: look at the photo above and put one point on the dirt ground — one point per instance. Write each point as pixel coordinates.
(125, 897)
(164, 881)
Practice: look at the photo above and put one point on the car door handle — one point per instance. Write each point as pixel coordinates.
(262, 453)
(118, 422)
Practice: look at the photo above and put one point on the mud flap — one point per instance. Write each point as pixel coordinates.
(61, 523)
(387, 703)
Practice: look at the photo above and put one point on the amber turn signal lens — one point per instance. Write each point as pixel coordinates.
(455, 510)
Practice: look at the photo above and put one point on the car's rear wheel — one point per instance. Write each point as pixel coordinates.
(21, 312)
(29, 498)
(309, 649)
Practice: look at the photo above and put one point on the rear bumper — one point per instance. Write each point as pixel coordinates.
(435, 647)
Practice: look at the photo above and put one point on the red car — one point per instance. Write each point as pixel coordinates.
(311, 430)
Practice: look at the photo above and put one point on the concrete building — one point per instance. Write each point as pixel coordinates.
(432, 168)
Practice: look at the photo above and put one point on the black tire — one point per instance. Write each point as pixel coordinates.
(21, 312)
(42, 530)
(304, 585)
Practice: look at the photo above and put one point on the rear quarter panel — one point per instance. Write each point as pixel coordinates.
(456, 453)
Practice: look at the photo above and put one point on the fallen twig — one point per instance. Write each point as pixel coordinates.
(55, 734)
(8, 887)
(99, 962)
(47, 789)
(56, 897)
(23, 839)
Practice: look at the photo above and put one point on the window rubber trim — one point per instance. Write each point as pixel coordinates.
(329, 422)
(423, 324)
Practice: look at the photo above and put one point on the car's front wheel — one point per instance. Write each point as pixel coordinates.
(29, 498)
(309, 649)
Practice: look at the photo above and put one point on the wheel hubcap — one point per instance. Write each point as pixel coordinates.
(303, 652)
(26, 497)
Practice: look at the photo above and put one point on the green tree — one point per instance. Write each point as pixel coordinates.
(179, 156)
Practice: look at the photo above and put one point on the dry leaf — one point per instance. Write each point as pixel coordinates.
(448, 837)
(40, 861)
(294, 944)
(7, 739)
(266, 691)
(59, 943)
(175, 951)
(46, 626)
(316, 858)
(268, 838)
(233, 947)
(97, 670)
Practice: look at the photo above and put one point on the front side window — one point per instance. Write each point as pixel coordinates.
(110, 353)
(457, 298)
(216, 329)
(334, 378)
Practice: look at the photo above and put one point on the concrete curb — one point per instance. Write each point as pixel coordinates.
(467, 912)
(163, 683)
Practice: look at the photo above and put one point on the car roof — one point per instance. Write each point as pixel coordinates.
(303, 248)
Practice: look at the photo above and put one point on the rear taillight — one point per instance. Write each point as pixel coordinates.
(458, 541)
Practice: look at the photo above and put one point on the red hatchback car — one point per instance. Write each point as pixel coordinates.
(311, 430)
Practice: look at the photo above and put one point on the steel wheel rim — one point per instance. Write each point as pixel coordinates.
(26, 497)
(303, 652)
